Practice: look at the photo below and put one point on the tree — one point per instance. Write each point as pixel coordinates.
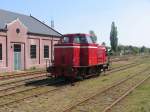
(143, 49)
(113, 37)
(93, 36)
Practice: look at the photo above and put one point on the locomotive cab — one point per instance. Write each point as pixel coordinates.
(73, 52)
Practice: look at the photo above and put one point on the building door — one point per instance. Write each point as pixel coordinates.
(17, 56)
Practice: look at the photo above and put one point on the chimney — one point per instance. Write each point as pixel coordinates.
(52, 24)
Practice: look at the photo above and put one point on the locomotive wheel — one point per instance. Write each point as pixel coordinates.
(90, 71)
(98, 71)
(83, 76)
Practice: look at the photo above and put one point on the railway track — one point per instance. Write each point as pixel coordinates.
(20, 83)
(104, 100)
(12, 84)
(7, 99)
(108, 108)
(34, 91)
(120, 59)
(21, 75)
(123, 67)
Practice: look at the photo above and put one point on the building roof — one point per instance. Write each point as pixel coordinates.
(34, 25)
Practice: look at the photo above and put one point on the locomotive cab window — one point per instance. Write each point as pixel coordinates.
(46, 51)
(83, 39)
(66, 40)
(0, 51)
(33, 51)
(76, 39)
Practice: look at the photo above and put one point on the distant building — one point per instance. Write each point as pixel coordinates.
(25, 42)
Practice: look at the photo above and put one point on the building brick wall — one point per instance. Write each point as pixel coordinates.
(11, 37)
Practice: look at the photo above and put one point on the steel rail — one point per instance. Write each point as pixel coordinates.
(18, 85)
(21, 75)
(31, 96)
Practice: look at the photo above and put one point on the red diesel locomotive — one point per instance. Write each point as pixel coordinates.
(77, 55)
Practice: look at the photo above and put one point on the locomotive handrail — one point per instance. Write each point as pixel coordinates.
(48, 64)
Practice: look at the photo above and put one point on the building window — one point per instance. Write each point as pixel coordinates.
(0, 51)
(46, 51)
(33, 51)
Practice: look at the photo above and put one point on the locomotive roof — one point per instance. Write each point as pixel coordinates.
(74, 34)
